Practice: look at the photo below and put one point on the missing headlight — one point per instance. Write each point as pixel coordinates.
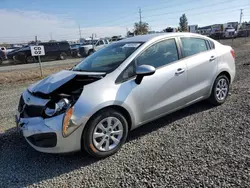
(56, 108)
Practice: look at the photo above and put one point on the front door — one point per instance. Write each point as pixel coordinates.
(99, 45)
(163, 91)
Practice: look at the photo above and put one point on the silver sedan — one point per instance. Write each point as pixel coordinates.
(94, 105)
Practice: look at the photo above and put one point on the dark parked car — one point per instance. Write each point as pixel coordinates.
(53, 50)
(2, 56)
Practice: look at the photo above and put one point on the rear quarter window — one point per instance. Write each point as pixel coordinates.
(212, 46)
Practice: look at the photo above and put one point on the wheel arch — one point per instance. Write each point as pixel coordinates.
(226, 73)
(222, 72)
(118, 108)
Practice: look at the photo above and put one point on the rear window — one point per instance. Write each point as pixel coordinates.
(192, 46)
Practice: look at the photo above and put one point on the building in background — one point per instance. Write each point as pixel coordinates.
(193, 28)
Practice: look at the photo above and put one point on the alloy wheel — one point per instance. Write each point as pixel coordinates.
(221, 89)
(107, 134)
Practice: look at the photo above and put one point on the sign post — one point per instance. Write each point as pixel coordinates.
(38, 51)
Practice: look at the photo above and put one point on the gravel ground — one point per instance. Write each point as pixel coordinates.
(199, 146)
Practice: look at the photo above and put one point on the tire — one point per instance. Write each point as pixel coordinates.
(90, 52)
(63, 56)
(1, 61)
(90, 144)
(78, 55)
(221, 85)
(30, 59)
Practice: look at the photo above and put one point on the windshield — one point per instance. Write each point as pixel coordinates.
(109, 58)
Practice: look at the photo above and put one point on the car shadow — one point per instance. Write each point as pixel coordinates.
(21, 166)
(168, 119)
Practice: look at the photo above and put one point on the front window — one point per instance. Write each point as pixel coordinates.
(159, 54)
(109, 58)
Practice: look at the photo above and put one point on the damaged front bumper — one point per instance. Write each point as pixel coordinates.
(45, 135)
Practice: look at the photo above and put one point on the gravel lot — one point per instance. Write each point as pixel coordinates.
(200, 146)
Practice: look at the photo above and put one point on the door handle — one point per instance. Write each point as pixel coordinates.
(179, 71)
(212, 58)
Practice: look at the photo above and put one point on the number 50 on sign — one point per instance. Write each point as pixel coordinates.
(37, 50)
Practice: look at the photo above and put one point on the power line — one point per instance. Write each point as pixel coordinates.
(186, 10)
(167, 7)
(140, 14)
(201, 13)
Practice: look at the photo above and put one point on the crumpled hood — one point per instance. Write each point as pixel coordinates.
(54, 81)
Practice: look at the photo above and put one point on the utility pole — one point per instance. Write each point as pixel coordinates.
(39, 59)
(80, 33)
(140, 19)
(241, 14)
(36, 40)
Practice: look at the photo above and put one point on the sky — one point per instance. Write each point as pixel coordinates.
(22, 20)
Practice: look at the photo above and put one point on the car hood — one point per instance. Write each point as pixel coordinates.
(87, 46)
(18, 50)
(57, 80)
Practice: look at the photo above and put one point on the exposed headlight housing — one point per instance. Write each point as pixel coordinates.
(57, 108)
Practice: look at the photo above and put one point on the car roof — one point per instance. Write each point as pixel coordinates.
(148, 37)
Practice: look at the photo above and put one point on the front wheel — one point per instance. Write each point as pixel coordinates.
(90, 52)
(30, 59)
(105, 133)
(220, 90)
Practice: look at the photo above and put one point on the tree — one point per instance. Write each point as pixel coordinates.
(141, 28)
(183, 23)
(52, 40)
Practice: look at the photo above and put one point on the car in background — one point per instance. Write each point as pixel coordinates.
(4, 53)
(53, 50)
(12, 53)
(2, 57)
(91, 46)
(119, 88)
(75, 50)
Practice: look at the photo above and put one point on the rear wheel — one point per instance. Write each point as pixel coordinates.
(220, 90)
(63, 56)
(105, 133)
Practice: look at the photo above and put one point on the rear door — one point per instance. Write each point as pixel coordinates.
(201, 62)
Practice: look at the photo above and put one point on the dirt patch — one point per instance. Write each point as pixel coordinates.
(33, 74)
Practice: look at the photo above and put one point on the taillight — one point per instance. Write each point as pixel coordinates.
(232, 52)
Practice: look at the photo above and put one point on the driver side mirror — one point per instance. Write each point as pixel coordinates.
(143, 70)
